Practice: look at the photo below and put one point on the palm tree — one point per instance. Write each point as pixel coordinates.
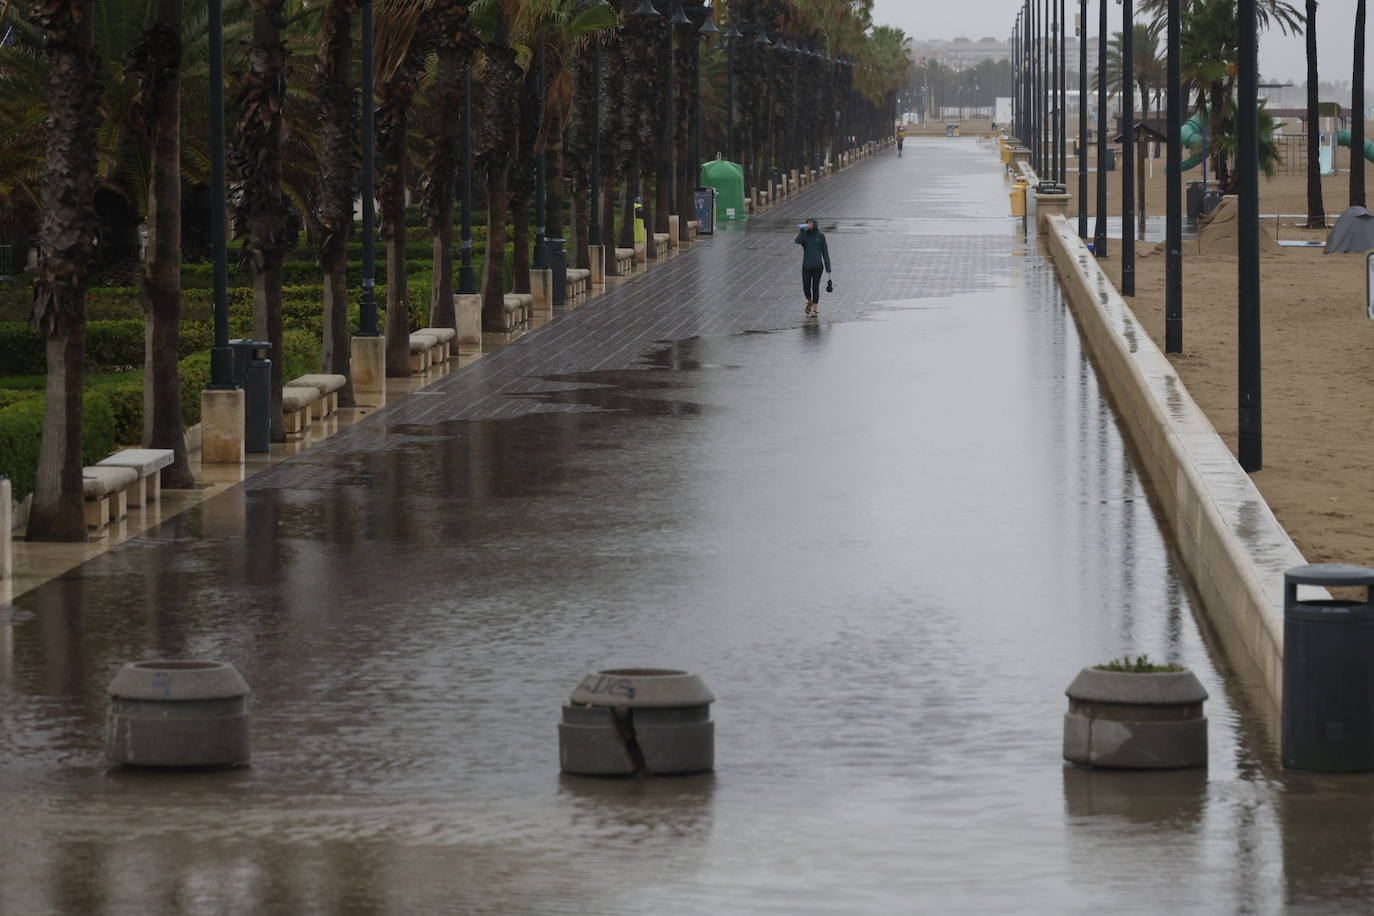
(1149, 77)
(495, 140)
(59, 308)
(262, 214)
(1357, 112)
(1316, 211)
(157, 113)
(338, 118)
(447, 26)
(400, 64)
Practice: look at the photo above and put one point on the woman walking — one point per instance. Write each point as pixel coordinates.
(815, 258)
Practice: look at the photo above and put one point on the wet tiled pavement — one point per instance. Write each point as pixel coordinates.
(887, 540)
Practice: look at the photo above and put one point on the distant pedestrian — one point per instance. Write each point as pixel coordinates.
(815, 258)
(900, 138)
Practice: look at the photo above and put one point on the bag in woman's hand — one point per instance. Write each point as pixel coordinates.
(829, 286)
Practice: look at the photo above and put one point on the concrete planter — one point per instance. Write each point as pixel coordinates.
(628, 720)
(1136, 721)
(178, 714)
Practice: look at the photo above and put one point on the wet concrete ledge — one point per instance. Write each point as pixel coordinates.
(1234, 547)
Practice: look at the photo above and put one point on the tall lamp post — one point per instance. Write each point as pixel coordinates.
(367, 309)
(594, 178)
(1063, 99)
(1082, 119)
(728, 40)
(221, 357)
(1127, 148)
(467, 277)
(1250, 449)
(1173, 193)
(1100, 227)
(540, 176)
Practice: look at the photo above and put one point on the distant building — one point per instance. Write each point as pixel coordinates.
(964, 54)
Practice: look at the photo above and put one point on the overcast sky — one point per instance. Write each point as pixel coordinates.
(1280, 58)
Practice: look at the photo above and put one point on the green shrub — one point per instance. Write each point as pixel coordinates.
(21, 432)
(126, 402)
(194, 373)
(113, 346)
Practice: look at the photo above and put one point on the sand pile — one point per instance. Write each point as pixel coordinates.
(1219, 230)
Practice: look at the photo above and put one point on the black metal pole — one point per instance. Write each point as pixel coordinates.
(730, 95)
(540, 177)
(668, 124)
(1063, 97)
(221, 357)
(1173, 191)
(1247, 245)
(367, 309)
(594, 221)
(1100, 227)
(1082, 119)
(467, 277)
(1054, 91)
(1127, 149)
(1035, 85)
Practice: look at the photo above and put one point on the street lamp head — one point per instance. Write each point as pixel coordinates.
(732, 33)
(708, 28)
(645, 9)
(679, 17)
(762, 41)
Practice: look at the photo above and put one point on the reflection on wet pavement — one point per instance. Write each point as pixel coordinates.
(887, 544)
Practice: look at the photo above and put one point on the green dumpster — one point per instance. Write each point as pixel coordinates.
(728, 180)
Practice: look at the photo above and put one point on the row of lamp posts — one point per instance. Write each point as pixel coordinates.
(1038, 122)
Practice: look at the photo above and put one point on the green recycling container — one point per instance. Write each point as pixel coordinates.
(728, 180)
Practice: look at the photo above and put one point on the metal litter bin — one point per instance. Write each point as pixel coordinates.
(1328, 672)
(253, 373)
(705, 200)
(1111, 159)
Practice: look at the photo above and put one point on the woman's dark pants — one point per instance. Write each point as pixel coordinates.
(811, 283)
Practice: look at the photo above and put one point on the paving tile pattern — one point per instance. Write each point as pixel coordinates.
(883, 248)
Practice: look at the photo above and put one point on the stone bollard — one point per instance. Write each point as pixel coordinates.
(1136, 720)
(1047, 205)
(628, 720)
(178, 714)
(368, 355)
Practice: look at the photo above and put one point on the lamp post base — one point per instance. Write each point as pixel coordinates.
(369, 363)
(468, 307)
(221, 426)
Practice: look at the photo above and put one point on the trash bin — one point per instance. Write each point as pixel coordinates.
(1211, 197)
(705, 199)
(1111, 159)
(1194, 195)
(1328, 672)
(253, 373)
(558, 263)
(640, 237)
(1018, 199)
(951, 130)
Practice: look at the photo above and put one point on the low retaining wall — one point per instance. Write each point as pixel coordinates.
(1234, 547)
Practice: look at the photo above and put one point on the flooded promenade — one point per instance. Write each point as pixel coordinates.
(887, 541)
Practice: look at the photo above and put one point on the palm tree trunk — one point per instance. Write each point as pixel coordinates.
(394, 222)
(581, 221)
(496, 140)
(627, 208)
(608, 222)
(1357, 112)
(1143, 148)
(1316, 210)
(161, 280)
(260, 207)
(59, 309)
(439, 183)
(338, 184)
(522, 179)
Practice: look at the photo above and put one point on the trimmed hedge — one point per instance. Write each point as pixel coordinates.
(21, 432)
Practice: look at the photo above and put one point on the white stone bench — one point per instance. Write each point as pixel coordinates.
(625, 261)
(422, 347)
(662, 242)
(519, 309)
(328, 387)
(148, 464)
(446, 336)
(579, 282)
(106, 491)
(295, 407)
(692, 228)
